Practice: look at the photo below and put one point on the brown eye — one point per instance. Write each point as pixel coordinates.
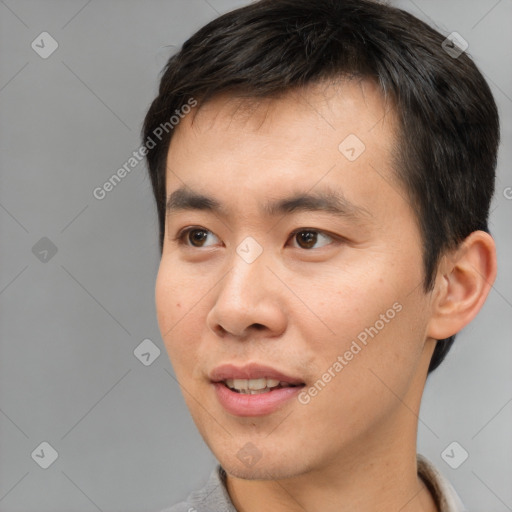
(308, 238)
(196, 237)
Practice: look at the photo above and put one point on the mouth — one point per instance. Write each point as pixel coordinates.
(257, 386)
(253, 389)
(252, 377)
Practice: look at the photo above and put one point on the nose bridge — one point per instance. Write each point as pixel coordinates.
(245, 279)
(244, 297)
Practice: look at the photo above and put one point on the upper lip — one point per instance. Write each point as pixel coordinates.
(250, 371)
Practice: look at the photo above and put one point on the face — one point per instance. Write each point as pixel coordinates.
(291, 253)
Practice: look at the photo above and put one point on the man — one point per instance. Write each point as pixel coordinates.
(323, 172)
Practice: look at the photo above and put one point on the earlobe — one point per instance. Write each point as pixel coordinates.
(465, 277)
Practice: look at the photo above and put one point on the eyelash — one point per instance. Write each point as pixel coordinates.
(181, 235)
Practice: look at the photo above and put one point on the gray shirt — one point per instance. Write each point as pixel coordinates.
(214, 497)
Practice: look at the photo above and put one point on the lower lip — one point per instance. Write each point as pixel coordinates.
(241, 404)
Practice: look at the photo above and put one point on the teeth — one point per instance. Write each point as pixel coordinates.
(254, 391)
(256, 385)
(240, 384)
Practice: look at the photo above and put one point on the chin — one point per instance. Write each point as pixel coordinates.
(262, 469)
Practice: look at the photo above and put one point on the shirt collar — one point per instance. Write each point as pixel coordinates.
(215, 497)
(447, 500)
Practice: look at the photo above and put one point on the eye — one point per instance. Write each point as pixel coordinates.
(195, 237)
(308, 238)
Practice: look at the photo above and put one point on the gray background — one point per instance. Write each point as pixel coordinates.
(70, 325)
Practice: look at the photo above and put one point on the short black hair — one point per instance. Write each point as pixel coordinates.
(446, 148)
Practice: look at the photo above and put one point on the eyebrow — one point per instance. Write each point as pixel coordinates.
(326, 200)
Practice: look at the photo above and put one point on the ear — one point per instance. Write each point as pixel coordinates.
(464, 279)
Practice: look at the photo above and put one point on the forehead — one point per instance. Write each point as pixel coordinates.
(341, 134)
(327, 101)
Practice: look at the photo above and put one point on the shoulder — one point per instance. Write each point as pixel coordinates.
(213, 497)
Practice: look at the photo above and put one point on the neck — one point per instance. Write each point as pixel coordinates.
(379, 472)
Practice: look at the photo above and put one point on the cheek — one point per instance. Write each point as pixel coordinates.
(368, 376)
(345, 302)
(374, 316)
(177, 310)
(167, 300)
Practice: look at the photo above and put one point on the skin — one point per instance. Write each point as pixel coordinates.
(297, 308)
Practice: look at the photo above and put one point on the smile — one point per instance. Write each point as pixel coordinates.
(255, 386)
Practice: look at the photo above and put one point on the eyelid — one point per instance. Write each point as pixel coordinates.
(321, 231)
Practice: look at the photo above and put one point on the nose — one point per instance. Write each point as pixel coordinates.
(248, 303)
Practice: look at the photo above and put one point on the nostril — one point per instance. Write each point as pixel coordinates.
(220, 330)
